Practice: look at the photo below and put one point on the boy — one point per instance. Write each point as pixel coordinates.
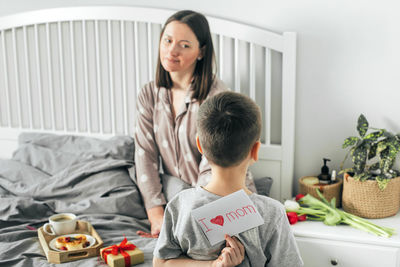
(229, 127)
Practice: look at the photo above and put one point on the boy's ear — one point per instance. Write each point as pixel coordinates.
(254, 150)
(198, 144)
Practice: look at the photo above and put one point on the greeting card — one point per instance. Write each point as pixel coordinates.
(232, 214)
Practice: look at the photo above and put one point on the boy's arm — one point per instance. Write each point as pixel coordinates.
(231, 255)
(283, 250)
(180, 261)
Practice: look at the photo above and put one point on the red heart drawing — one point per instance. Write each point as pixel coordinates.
(218, 220)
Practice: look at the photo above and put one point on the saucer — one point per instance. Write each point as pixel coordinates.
(89, 239)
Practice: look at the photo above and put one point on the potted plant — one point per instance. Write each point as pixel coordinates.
(371, 188)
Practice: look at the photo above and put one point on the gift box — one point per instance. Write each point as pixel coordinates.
(124, 254)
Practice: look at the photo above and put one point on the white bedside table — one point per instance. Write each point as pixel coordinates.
(321, 245)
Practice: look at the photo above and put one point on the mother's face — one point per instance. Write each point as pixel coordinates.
(179, 48)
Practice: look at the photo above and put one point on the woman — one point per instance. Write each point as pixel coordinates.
(167, 110)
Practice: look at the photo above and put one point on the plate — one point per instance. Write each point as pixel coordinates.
(89, 238)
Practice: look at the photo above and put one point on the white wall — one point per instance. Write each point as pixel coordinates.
(348, 62)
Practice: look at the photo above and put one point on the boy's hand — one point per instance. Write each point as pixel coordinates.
(231, 255)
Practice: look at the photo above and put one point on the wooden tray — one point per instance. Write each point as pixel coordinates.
(82, 227)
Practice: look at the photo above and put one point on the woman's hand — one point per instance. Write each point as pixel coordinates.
(156, 217)
(231, 255)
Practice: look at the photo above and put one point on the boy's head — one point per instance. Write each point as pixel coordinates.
(228, 125)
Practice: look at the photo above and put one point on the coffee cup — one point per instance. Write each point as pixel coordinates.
(61, 224)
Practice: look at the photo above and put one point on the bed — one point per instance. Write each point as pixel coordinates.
(69, 78)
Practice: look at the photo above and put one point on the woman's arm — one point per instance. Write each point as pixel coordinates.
(156, 217)
(146, 161)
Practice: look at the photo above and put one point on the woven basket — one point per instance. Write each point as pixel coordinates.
(329, 191)
(365, 199)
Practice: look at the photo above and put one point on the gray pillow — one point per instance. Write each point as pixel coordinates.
(172, 186)
(263, 185)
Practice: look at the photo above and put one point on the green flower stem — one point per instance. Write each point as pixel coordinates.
(303, 210)
(316, 218)
(378, 230)
(356, 218)
(325, 211)
(367, 226)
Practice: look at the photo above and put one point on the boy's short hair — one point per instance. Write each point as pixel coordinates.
(228, 126)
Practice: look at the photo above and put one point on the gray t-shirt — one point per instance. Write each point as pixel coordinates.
(270, 244)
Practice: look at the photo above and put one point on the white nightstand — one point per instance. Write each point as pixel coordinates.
(321, 245)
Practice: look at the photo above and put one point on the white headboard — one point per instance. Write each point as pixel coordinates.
(77, 70)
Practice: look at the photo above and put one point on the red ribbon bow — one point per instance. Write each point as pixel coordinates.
(116, 249)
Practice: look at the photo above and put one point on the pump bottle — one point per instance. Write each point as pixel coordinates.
(324, 177)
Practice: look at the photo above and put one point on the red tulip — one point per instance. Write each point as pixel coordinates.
(292, 216)
(299, 196)
(302, 217)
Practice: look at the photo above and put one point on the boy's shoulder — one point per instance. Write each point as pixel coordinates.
(182, 196)
(266, 200)
(189, 199)
(269, 207)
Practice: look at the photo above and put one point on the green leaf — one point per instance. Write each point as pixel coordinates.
(388, 157)
(346, 170)
(387, 164)
(332, 218)
(362, 125)
(388, 134)
(382, 162)
(374, 136)
(382, 182)
(381, 146)
(321, 196)
(349, 141)
(374, 166)
(396, 144)
(364, 177)
(361, 176)
(372, 151)
(359, 158)
(333, 202)
(392, 150)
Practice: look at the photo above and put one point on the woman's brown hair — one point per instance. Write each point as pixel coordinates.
(203, 75)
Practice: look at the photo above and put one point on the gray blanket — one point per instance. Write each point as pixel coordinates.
(51, 174)
(89, 177)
